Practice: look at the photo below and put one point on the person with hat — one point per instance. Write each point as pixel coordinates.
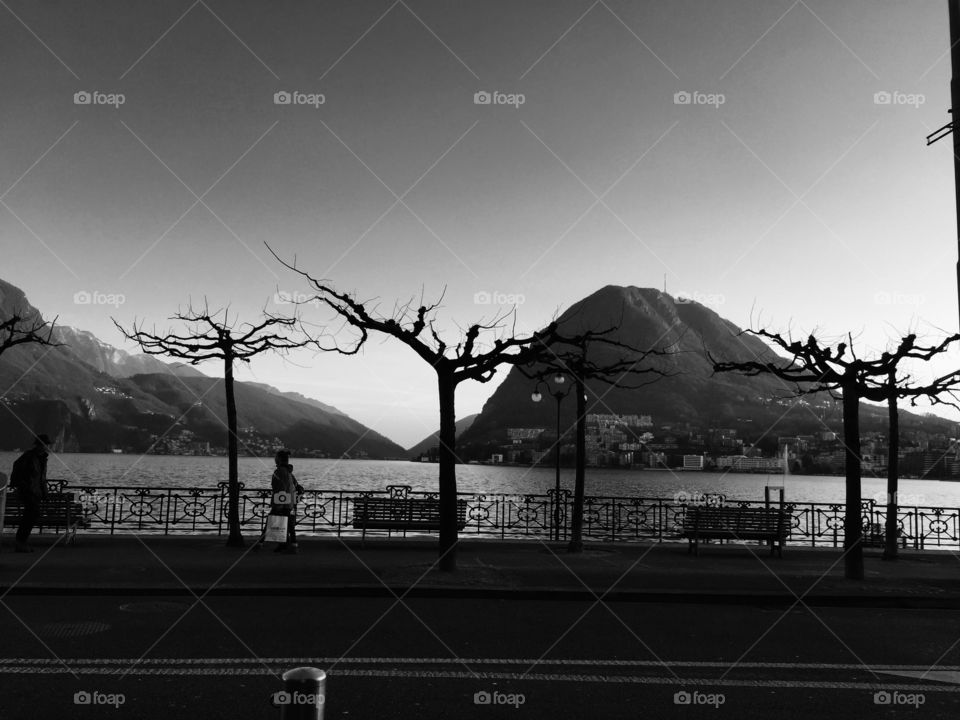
(29, 479)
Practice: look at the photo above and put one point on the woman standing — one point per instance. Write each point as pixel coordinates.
(284, 501)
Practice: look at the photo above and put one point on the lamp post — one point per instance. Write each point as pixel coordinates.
(558, 395)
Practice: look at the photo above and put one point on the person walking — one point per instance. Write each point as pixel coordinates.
(29, 479)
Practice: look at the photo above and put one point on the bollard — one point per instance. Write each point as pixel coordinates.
(303, 694)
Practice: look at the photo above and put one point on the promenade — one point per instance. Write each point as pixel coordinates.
(640, 571)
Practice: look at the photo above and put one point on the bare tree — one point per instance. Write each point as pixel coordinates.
(813, 368)
(571, 356)
(210, 338)
(453, 364)
(21, 328)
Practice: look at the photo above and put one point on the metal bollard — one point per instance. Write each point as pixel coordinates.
(303, 694)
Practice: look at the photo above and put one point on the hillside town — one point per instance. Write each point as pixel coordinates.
(635, 441)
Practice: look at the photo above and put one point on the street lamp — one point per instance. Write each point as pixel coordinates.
(558, 395)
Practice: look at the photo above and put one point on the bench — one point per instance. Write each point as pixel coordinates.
(59, 511)
(734, 523)
(380, 513)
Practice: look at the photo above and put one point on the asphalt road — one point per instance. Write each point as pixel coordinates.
(174, 657)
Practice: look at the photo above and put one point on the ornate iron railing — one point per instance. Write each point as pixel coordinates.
(169, 511)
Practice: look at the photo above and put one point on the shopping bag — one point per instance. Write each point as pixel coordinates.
(276, 529)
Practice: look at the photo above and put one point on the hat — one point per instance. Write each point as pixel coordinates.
(42, 440)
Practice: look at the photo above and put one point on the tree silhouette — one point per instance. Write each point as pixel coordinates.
(22, 328)
(814, 368)
(453, 364)
(210, 338)
(571, 356)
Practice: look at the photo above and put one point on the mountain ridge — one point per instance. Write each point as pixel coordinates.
(92, 397)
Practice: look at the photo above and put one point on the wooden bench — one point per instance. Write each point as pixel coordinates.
(733, 523)
(59, 511)
(380, 513)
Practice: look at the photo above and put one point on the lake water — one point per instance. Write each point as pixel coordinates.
(96, 470)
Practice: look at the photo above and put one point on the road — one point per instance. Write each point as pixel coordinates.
(175, 657)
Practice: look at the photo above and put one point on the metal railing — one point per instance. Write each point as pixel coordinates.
(175, 511)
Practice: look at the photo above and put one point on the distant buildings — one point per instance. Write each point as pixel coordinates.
(632, 440)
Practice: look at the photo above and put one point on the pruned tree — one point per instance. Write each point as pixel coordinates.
(471, 358)
(571, 356)
(813, 368)
(892, 388)
(208, 337)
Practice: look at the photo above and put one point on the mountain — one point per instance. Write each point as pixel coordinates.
(114, 361)
(432, 441)
(645, 317)
(91, 397)
(297, 397)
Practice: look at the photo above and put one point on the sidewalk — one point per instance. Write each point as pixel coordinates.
(158, 565)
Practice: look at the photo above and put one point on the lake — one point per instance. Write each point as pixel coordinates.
(168, 471)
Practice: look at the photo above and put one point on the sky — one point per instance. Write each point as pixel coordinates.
(764, 157)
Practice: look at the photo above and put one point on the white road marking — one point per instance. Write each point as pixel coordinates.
(462, 675)
(578, 662)
(225, 667)
(943, 675)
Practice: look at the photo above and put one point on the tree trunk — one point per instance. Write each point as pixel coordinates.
(235, 538)
(853, 520)
(576, 525)
(892, 531)
(448, 470)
